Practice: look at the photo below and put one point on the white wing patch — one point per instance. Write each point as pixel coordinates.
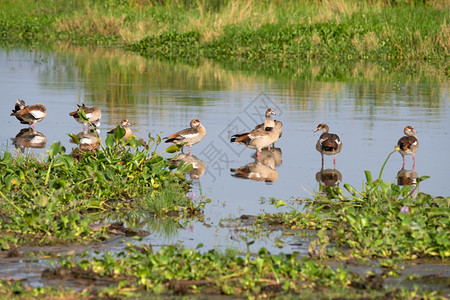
(37, 114)
(322, 140)
(189, 136)
(88, 115)
(251, 136)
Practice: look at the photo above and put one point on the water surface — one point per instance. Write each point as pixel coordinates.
(368, 113)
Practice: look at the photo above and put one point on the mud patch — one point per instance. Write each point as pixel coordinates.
(78, 276)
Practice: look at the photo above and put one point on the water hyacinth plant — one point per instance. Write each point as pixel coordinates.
(383, 220)
(46, 200)
(186, 271)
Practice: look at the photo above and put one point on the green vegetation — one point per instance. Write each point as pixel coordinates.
(181, 271)
(48, 201)
(245, 33)
(383, 220)
(57, 199)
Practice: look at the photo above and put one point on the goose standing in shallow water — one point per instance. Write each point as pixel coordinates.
(190, 136)
(408, 144)
(93, 114)
(328, 143)
(125, 125)
(29, 114)
(256, 139)
(270, 124)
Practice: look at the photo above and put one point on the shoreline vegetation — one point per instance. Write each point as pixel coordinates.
(56, 200)
(50, 202)
(407, 36)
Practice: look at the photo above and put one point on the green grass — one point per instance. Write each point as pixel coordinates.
(243, 32)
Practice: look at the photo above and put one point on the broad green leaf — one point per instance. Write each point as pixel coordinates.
(368, 176)
(74, 138)
(280, 203)
(56, 148)
(119, 132)
(172, 149)
(350, 189)
(82, 115)
(185, 167)
(109, 141)
(67, 160)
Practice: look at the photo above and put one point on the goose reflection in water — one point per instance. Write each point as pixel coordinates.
(88, 141)
(262, 169)
(29, 138)
(329, 177)
(198, 165)
(407, 177)
(273, 156)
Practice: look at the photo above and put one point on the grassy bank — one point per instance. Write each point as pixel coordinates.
(271, 32)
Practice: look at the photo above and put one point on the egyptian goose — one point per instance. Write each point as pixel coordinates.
(29, 138)
(278, 128)
(268, 123)
(29, 114)
(256, 139)
(408, 144)
(190, 136)
(93, 114)
(328, 143)
(125, 125)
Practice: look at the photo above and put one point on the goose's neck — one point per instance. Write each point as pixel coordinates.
(410, 133)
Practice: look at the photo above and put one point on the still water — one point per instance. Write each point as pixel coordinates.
(368, 112)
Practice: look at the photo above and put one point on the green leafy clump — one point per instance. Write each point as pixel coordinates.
(383, 220)
(171, 44)
(176, 268)
(46, 201)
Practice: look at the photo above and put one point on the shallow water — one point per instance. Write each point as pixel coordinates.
(369, 115)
